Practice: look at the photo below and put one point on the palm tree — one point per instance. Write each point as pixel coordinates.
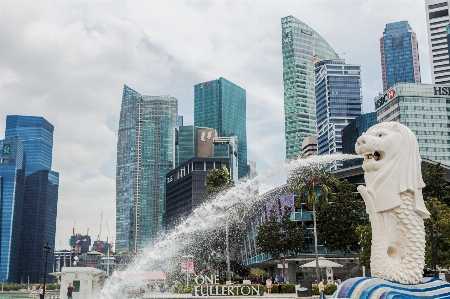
(312, 185)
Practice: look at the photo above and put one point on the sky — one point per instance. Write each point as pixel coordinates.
(67, 61)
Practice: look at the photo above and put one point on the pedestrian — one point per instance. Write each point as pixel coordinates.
(279, 285)
(269, 284)
(69, 290)
(322, 290)
(41, 292)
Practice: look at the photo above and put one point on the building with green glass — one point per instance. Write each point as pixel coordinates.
(424, 109)
(186, 143)
(221, 105)
(300, 43)
(145, 154)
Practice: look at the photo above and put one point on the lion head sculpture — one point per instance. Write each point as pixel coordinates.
(392, 165)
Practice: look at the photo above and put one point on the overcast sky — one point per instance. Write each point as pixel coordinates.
(68, 61)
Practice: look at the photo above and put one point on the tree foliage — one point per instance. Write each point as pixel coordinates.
(218, 179)
(313, 186)
(280, 236)
(437, 229)
(338, 221)
(364, 233)
(436, 186)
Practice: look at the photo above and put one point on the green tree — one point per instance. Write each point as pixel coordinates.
(436, 186)
(437, 229)
(313, 186)
(280, 236)
(364, 232)
(339, 220)
(218, 180)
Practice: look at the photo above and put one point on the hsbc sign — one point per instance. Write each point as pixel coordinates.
(385, 98)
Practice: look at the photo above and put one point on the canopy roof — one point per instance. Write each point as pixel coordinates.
(323, 263)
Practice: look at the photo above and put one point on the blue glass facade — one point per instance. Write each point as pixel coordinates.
(38, 223)
(126, 171)
(300, 43)
(221, 105)
(41, 193)
(12, 183)
(399, 55)
(36, 135)
(338, 102)
(145, 153)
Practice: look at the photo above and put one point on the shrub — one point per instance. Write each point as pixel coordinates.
(285, 288)
(329, 289)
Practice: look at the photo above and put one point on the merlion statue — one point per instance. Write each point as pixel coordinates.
(394, 201)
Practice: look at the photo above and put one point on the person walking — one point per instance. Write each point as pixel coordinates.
(278, 285)
(322, 289)
(69, 290)
(269, 284)
(41, 292)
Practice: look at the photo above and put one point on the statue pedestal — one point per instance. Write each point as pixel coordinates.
(378, 288)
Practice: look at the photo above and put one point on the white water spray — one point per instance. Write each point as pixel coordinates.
(244, 196)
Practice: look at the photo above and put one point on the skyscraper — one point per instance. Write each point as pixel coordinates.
(423, 109)
(12, 182)
(437, 12)
(338, 102)
(399, 55)
(40, 193)
(300, 43)
(221, 105)
(145, 153)
(36, 135)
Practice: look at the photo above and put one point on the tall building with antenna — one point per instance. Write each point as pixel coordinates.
(300, 43)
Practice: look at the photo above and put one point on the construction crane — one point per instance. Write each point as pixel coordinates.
(99, 246)
(109, 235)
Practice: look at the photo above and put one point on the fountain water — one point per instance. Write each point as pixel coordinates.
(244, 196)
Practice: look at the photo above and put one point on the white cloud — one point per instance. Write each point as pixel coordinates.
(68, 61)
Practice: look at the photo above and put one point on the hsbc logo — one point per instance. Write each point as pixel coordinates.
(205, 85)
(390, 94)
(385, 98)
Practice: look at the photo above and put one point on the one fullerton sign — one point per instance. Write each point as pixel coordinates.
(209, 286)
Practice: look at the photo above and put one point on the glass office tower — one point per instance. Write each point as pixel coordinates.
(300, 43)
(338, 102)
(145, 153)
(424, 109)
(36, 135)
(41, 193)
(221, 105)
(12, 181)
(399, 55)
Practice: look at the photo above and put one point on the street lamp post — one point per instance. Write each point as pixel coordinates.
(47, 250)
(187, 259)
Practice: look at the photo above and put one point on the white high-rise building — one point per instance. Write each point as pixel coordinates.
(437, 12)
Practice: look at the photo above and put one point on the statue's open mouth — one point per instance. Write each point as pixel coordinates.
(375, 155)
